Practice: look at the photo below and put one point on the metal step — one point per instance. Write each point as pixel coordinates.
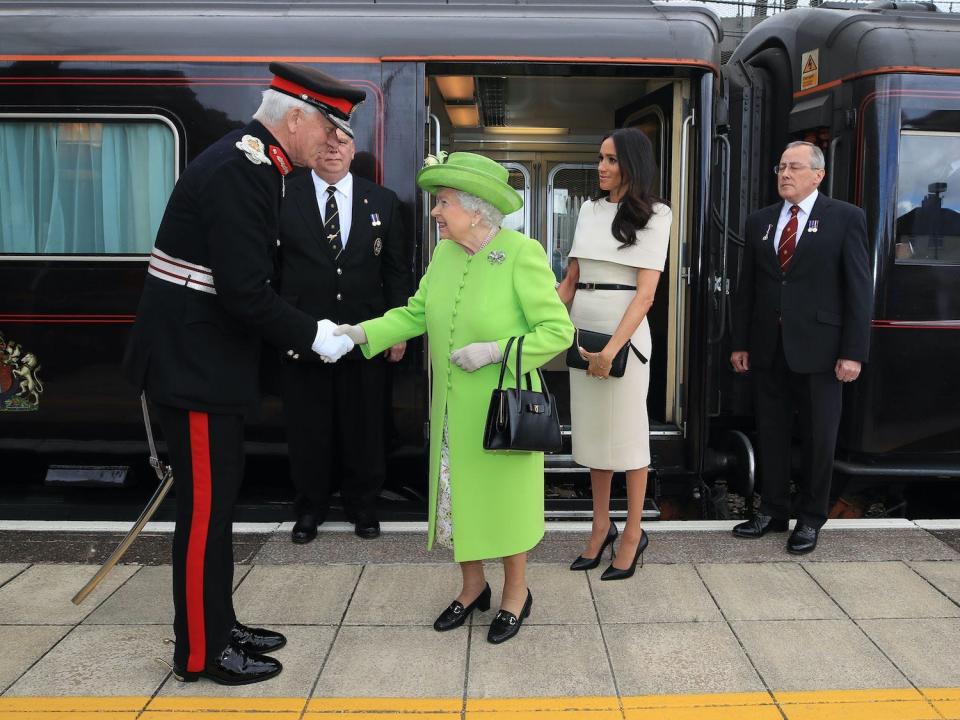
(581, 509)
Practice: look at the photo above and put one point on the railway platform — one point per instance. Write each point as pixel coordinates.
(711, 628)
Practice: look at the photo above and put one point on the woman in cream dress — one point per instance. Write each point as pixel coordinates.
(620, 246)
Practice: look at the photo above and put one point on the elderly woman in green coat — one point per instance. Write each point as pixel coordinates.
(483, 286)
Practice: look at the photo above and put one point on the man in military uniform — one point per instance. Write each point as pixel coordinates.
(344, 256)
(206, 306)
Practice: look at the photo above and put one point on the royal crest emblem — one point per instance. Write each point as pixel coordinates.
(20, 385)
(253, 148)
(377, 246)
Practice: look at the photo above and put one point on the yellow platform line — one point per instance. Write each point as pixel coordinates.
(874, 704)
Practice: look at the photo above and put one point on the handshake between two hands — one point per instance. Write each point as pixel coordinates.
(334, 341)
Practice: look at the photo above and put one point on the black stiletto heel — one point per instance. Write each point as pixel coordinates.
(582, 563)
(612, 573)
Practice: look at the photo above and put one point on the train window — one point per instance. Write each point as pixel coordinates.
(928, 199)
(519, 180)
(569, 185)
(91, 185)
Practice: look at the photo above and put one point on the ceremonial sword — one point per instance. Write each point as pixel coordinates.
(165, 474)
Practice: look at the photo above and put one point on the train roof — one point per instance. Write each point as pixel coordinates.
(544, 30)
(884, 36)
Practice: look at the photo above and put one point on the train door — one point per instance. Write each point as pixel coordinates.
(546, 131)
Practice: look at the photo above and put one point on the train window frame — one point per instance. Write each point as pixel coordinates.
(94, 116)
(525, 172)
(635, 119)
(909, 260)
(550, 205)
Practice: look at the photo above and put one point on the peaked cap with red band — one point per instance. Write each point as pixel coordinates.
(336, 100)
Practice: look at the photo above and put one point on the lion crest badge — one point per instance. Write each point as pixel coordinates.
(253, 148)
(377, 246)
(20, 385)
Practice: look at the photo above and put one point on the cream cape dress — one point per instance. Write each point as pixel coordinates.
(610, 427)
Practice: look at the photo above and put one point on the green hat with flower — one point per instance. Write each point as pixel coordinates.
(473, 174)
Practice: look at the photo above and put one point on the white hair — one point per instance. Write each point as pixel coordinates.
(488, 213)
(816, 154)
(275, 105)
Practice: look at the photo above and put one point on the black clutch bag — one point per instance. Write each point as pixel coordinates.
(594, 342)
(519, 419)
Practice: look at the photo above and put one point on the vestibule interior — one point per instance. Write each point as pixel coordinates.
(546, 130)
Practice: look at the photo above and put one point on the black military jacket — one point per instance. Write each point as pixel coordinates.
(371, 275)
(201, 351)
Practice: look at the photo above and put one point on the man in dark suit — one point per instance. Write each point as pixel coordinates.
(194, 349)
(343, 255)
(802, 325)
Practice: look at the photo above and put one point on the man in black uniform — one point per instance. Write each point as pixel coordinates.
(206, 306)
(343, 256)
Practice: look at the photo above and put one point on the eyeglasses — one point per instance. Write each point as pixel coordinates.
(794, 167)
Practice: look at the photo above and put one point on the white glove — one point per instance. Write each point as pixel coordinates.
(328, 345)
(475, 355)
(354, 332)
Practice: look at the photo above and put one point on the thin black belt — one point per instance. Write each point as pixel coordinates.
(604, 286)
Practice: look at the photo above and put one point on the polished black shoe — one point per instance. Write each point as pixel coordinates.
(583, 563)
(366, 527)
(305, 528)
(612, 573)
(505, 624)
(456, 614)
(234, 666)
(803, 539)
(759, 525)
(256, 640)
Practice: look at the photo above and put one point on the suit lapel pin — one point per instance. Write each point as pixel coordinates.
(813, 225)
(375, 220)
(377, 246)
(766, 235)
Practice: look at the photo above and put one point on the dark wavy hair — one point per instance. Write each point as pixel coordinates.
(637, 171)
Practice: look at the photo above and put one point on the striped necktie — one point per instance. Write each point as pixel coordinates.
(331, 225)
(788, 239)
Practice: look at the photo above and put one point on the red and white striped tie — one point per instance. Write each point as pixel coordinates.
(788, 239)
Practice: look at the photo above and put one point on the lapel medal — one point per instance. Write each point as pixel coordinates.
(375, 220)
(766, 235)
(813, 225)
(377, 246)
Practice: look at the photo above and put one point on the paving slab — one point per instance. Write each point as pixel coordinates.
(945, 576)
(145, 599)
(543, 660)
(560, 597)
(9, 571)
(100, 660)
(302, 658)
(345, 547)
(29, 643)
(403, 594)
(656, 593)
(295, 594)
(949, 537)
(395, 662)
(881, 590)
(675, 658)
(926, 650)
(768, 591)
(41, 595)
(816, 655)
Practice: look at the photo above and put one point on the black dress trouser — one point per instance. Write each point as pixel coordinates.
(335, 420)
(817, 397)
(206, 454)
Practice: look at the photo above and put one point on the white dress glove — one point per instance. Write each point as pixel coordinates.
(328, 345)
(475, 355)
(354, 332)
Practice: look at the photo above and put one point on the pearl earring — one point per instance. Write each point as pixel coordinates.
(473, 224)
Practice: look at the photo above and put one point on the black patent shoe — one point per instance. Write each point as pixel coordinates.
(802, 540)
(234, 666)
(456, 614)
(583, 563)
(305, 528)
(505, 624)
(612, 573)
(256, 640)
(759, 525)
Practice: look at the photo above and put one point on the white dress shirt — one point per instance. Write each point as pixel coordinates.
(344, 198)
(806, 205)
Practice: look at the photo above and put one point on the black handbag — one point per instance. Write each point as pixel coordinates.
(518, 419)
(594, 342)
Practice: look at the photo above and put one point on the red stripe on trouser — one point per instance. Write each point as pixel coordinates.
(197, 543)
